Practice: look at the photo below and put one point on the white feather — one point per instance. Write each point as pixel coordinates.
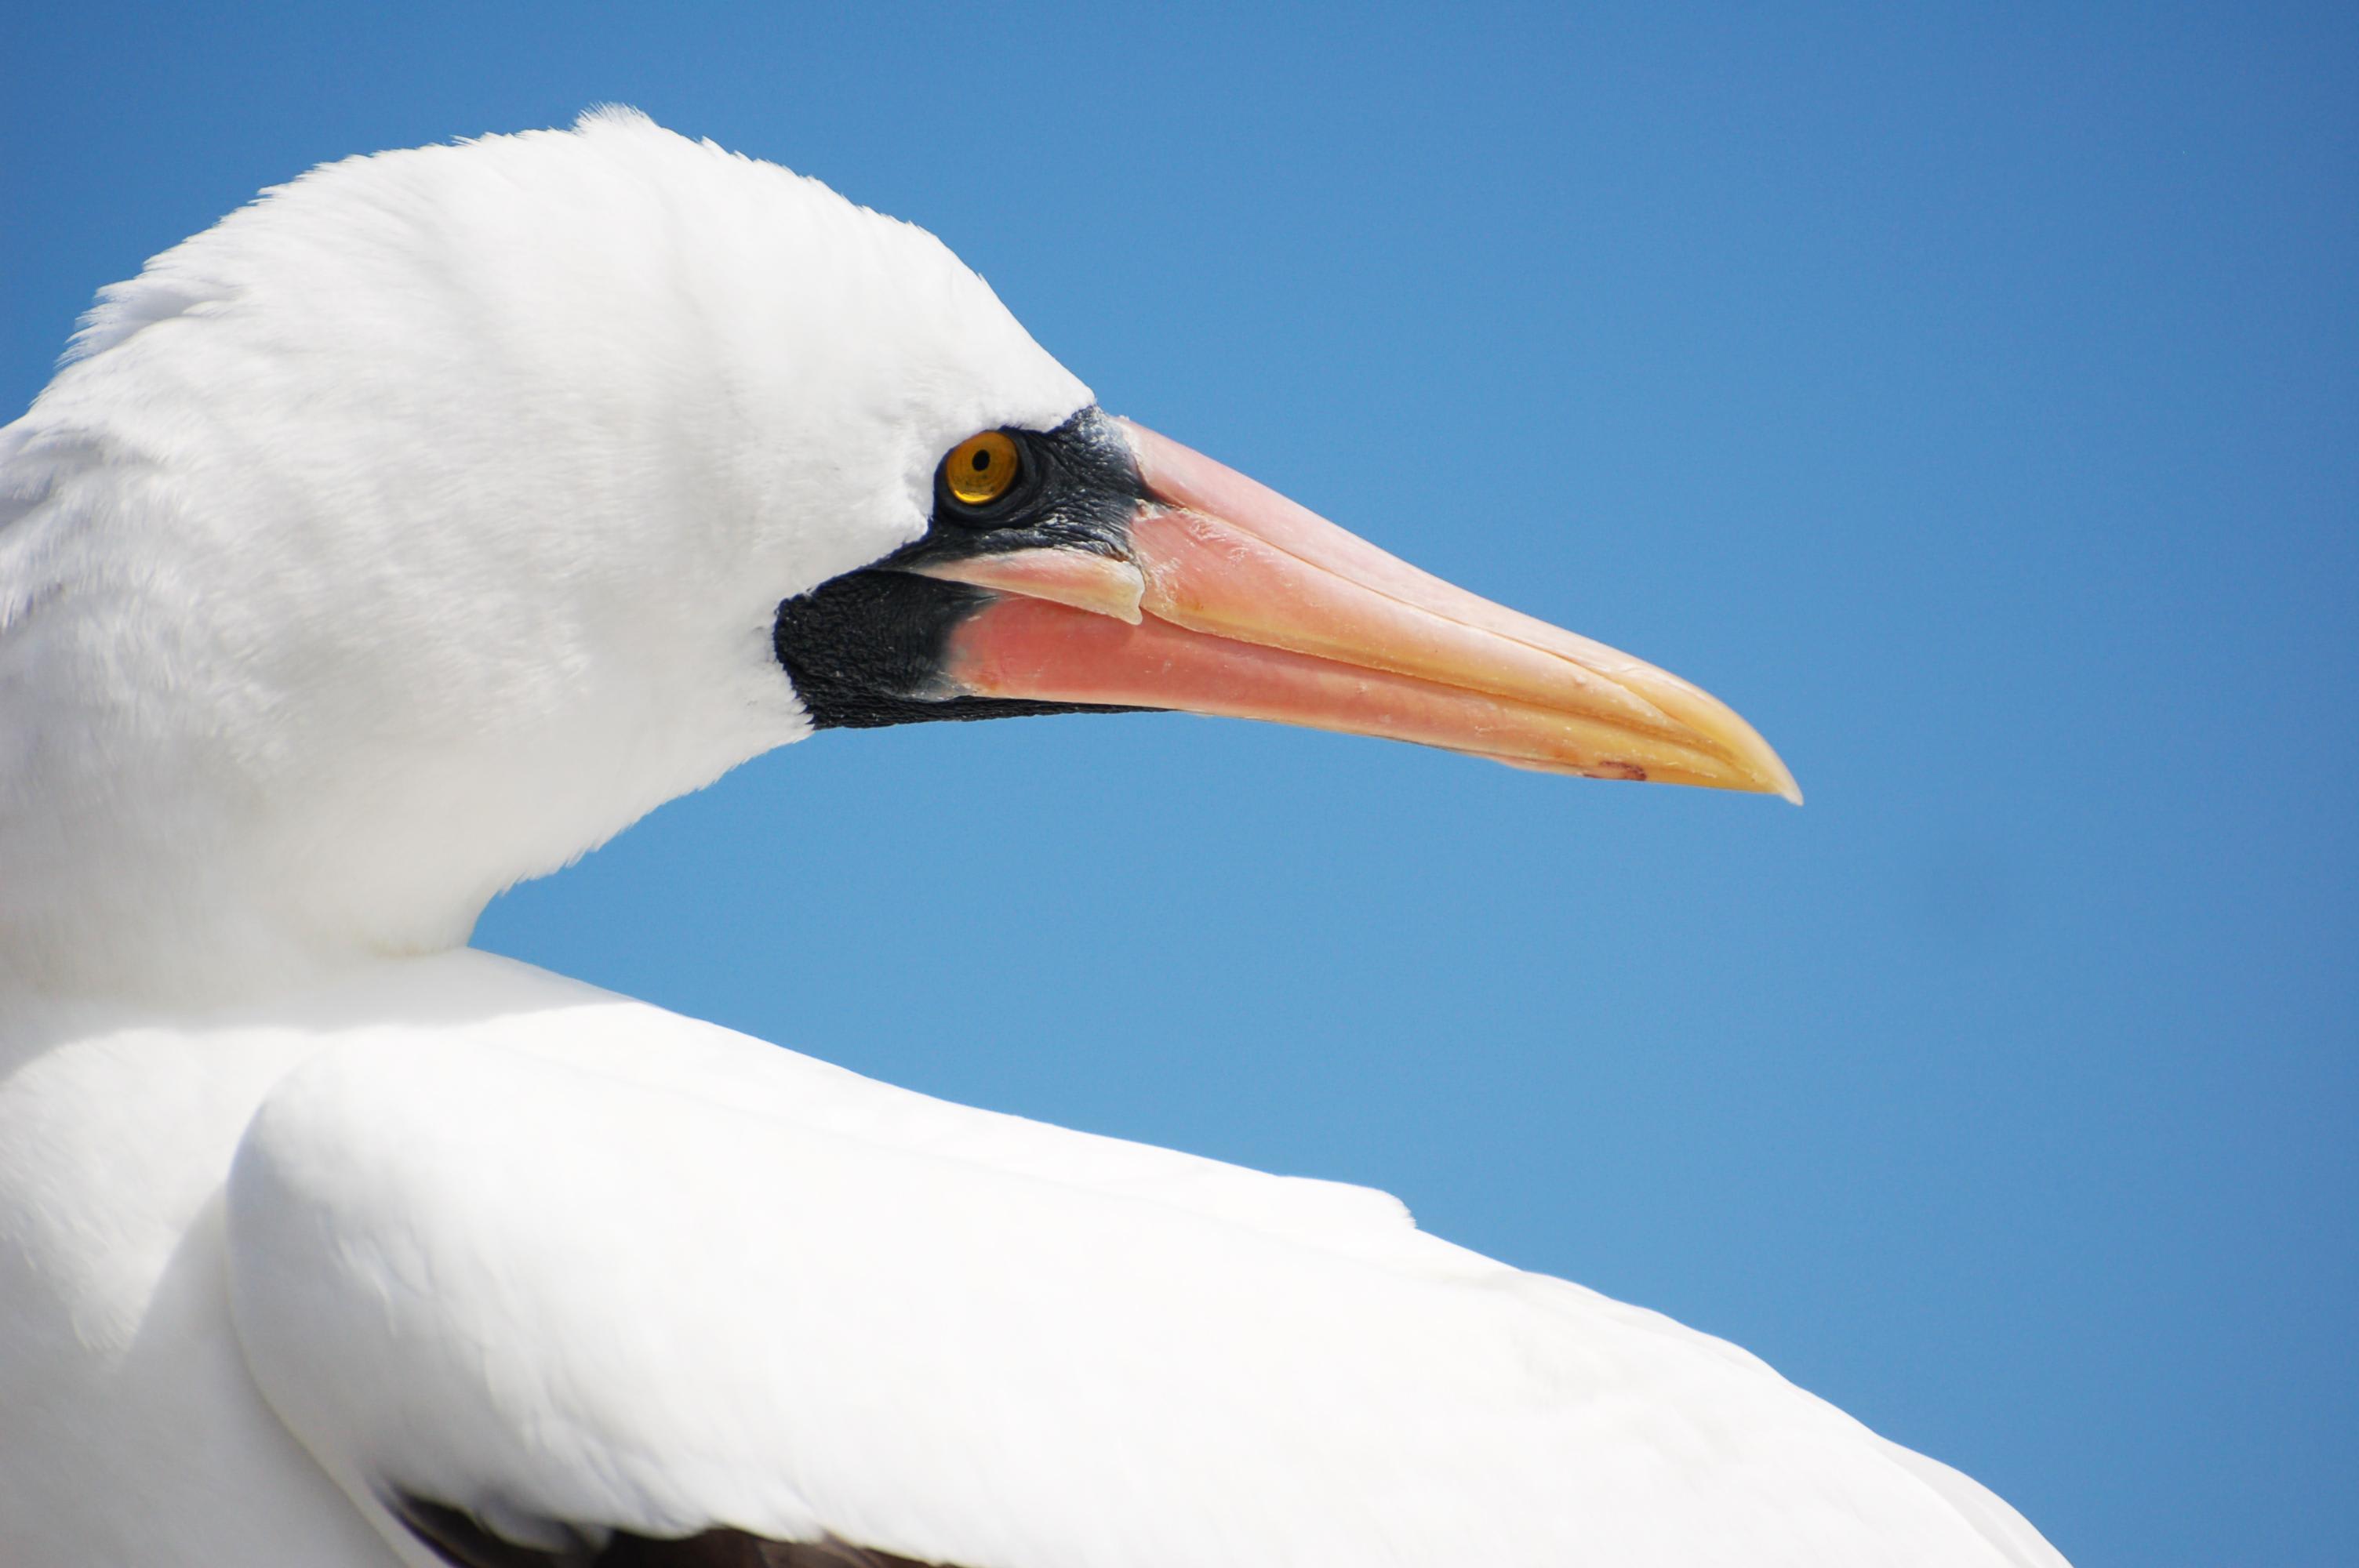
(411, 532)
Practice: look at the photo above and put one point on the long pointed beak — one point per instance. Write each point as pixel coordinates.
(1234, 601)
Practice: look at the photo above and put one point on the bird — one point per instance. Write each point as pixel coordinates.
(420, 527)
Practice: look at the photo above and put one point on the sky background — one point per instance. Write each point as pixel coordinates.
(1973, 402)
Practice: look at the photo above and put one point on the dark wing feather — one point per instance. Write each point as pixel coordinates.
(460, 1539)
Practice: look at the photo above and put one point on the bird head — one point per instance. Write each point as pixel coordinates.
(417, 527)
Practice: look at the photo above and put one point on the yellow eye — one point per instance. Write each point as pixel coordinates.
(980, 467)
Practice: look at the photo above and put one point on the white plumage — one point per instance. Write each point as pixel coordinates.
(414, 530)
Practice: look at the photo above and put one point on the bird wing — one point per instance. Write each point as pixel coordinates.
(598, 1284)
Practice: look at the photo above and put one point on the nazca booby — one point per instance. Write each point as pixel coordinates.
(423, 525)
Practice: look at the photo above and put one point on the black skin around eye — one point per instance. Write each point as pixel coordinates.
(865, 648)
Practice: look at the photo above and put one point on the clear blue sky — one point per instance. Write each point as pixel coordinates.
(1974, 403)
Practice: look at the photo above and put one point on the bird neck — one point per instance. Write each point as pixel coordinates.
(146, 889)
(164, 851)
(213, 787)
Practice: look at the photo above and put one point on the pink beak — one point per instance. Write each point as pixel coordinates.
(1236, 601)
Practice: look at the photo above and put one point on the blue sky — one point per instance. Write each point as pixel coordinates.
(1973, 402)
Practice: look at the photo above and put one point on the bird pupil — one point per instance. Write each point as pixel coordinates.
(982, 462)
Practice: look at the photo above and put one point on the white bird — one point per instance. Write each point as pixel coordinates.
(422, 525)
